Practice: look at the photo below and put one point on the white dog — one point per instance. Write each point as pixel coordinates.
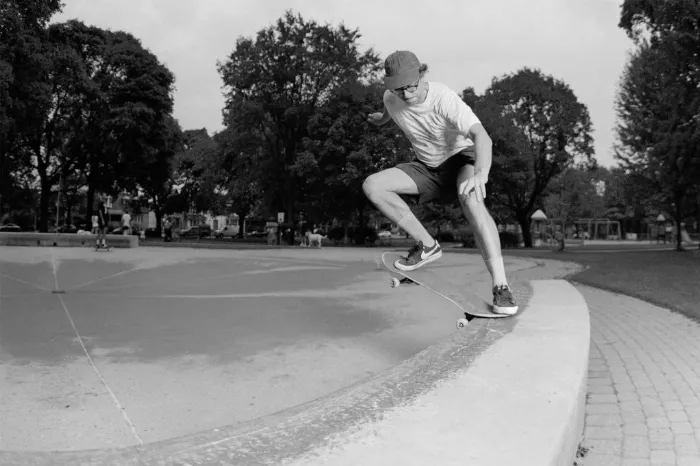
(315, 237)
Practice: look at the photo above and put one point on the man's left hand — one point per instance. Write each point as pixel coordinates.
(474, 185)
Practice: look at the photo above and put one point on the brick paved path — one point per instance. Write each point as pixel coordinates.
(644, 384)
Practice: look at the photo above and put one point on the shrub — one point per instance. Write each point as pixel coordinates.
(367, 235)
(446, 237)
(509, 239)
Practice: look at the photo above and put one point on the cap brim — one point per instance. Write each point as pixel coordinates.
(405, 79)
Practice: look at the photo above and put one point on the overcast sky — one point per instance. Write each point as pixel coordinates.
(465, 43)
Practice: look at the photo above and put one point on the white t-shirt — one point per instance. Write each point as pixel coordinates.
(126, 219)
(437, 128)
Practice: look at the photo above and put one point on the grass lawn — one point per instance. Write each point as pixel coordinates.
(666, 278)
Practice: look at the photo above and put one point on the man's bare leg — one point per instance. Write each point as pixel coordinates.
(489, 243)
(383, 190)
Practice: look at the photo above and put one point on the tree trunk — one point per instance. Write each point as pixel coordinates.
(4, 179)
(346, 226)
(241, 223)
(44, 200)
(68, 209)
(678, 214)
(524, 223)
(92, 189)
(362, 221)
(562, 242)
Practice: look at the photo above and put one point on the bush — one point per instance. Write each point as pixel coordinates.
(337, 234)
(466, 237)
(468, 241)
(509, 239)
(365, 235)
(446, 237)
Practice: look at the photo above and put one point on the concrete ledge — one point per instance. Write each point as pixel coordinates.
(521, 402)
(64, 240)
(500, 392)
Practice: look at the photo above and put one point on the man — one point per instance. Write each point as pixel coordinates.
(453, 152)
(102, 221)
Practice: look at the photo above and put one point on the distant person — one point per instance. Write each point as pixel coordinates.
(102, 221)
(453, 152)
(167, 230)
(95, 224)
(126, 223)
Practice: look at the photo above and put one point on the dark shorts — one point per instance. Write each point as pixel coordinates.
(439, 183)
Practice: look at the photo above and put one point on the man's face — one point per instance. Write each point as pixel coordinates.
(410, 93)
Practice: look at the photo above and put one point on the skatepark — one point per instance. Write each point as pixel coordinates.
(281, 356)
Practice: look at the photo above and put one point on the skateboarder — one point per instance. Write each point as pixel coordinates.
(453, 152)
(102, 222)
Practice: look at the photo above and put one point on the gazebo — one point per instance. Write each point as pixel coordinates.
(539, 220)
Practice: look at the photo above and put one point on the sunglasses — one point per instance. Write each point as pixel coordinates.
(409, 88)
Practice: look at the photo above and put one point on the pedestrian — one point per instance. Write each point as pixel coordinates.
(102, 222)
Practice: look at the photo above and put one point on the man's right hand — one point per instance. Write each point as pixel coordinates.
(375, 118)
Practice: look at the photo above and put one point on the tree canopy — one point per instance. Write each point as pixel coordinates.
(539, 129)
(658, 102)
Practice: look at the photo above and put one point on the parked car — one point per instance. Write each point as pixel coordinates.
(197, 231)
(65, 229)
(10, 227)
(229, 231)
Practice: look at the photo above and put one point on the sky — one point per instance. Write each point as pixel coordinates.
(464, 43)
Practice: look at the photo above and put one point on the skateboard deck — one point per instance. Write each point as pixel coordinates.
(102, 248)
(470, 304)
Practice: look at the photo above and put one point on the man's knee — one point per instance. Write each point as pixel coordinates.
(475, 210)
(372, 185)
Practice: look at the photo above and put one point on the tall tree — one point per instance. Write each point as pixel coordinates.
(239, 152)
(156, 178)
(197, 169)
(342, 148)
(539, 129)
(659, 98)
(22, 35)
(572, 195)
(275, 83)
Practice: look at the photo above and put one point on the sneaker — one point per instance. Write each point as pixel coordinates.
(419, 256)
(504, 301)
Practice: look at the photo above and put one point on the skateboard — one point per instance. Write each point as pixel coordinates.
(472, 305)
(103, 248)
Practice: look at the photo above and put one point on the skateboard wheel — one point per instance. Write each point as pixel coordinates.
(394, 282)
(461, 323)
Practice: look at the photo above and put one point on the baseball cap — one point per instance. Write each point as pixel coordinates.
(401, 68)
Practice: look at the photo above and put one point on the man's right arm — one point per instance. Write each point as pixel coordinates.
(384, 118)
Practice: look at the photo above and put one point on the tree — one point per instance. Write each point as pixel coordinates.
(539, 129)
(130, 126)
(342, 149)
(197, 169)
(48, 107)
(658, 103)
(570, 196)
(238, 155)
(22, 32)
(275, 83)
(156, 180)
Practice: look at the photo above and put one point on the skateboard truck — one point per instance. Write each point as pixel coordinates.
(395, 282)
